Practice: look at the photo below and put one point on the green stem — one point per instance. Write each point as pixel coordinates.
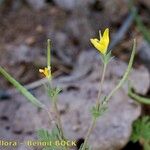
(89, 133)
(59, 122)
(101, 84)
(138, 98)
(58, 119)
(97, 104)
(125, 75)
(48, 54)
(49, 116)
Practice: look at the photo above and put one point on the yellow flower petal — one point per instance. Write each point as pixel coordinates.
(102, 44)
(46, 71)
(95, 42)
(104, 41)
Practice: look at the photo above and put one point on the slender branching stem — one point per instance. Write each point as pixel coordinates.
(125, 76)
(48, 53)
(56, 111)
(58, 119)
(89, 133)
(138, 98)
(59, 122)
(111, 93)
(97, 104)
(49, 116)
(101, 84)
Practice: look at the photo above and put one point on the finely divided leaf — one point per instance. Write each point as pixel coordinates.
(141, 129)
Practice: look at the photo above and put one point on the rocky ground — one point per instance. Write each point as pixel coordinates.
(25, 26)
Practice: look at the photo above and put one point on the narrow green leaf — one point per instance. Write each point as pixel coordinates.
(125, 74)
(21, 89)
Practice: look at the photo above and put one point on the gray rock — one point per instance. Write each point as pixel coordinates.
(113, 129)
(144, 52)
(72, 4)
(21, 53)
(36, 4)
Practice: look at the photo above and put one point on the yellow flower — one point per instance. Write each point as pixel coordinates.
(46, 71)
(102, 44)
